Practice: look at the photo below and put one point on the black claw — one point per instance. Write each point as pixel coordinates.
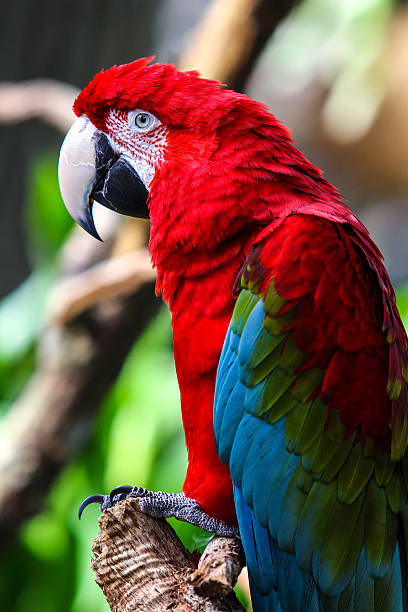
(120, 493)
(91, 499)
(106, 501)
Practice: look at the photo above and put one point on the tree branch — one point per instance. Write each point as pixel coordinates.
(140, 564)
(218, 568)
(112, 278)
(45, 99)
(230, 38)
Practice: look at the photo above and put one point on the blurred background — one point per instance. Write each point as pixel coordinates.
(88, 393)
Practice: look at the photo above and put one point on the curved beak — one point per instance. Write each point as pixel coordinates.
(89, 170)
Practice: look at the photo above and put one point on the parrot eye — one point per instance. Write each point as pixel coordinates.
(142, 120)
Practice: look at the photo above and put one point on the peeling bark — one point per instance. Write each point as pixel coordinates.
(140, 564)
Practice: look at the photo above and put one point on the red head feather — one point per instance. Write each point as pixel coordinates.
(179, 99)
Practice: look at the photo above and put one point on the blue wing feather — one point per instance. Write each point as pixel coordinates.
(277, 498)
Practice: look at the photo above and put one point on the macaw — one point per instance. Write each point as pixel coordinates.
(291, 356)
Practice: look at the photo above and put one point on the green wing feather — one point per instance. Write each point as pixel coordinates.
(344, 496)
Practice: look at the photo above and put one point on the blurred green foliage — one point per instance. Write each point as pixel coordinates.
(46, 223)
(402, 302)
(46, 220)
(339, 44)
(137, 438)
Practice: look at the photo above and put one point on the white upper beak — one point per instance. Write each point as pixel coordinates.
(77, 170)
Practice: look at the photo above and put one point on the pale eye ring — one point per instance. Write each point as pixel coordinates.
(143, 120)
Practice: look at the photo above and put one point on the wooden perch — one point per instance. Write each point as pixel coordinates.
(218, 568)
(140, 564)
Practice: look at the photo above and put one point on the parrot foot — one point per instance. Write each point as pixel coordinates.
(164, 505)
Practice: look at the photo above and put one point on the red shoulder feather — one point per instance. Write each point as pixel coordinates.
(347, 322)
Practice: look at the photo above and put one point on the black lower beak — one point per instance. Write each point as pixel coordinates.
(90, 169)
(117, 184)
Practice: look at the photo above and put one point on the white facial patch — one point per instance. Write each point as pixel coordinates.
(142, 147)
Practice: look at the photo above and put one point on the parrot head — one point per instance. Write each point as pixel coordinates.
(134, 120)
(206, 164)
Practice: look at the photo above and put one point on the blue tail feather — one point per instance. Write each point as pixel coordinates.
(277, 582)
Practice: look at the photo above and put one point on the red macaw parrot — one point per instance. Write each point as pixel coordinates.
(290, 353)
